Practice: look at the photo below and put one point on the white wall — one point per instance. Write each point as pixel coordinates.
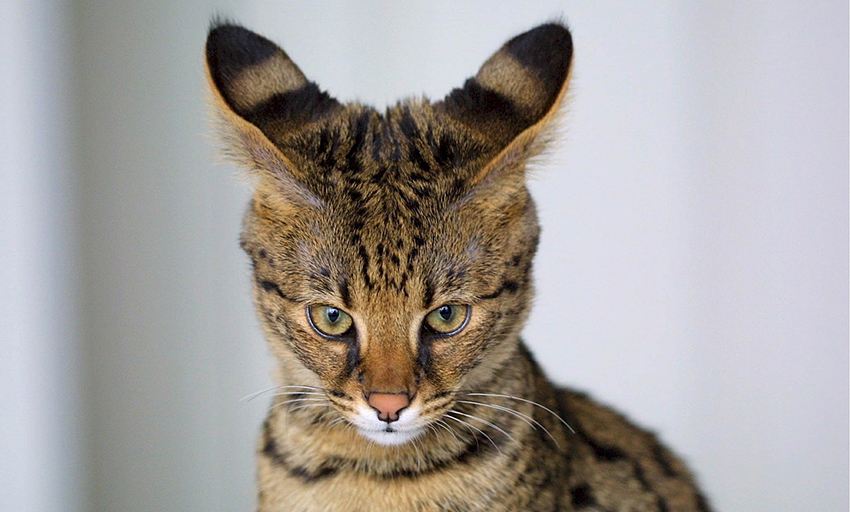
(768, 146)
(40, 419)
(692, 270)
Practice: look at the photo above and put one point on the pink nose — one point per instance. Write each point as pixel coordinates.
(388, 405)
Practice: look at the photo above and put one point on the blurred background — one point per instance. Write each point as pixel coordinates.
(693, 269)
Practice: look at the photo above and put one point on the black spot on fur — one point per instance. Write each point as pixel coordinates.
(582, 496)
(271, 286)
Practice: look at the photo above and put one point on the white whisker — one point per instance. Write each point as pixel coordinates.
(302, 393)
(550, 411)
(452, 432)
(248, 398)
(294, 400)
(418, 455)
(491, 425)
(528, 419)
(308, 406)
(448, 415)
(254, 395)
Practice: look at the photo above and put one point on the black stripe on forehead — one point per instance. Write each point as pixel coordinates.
(344, 292)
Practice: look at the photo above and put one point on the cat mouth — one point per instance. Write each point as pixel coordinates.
(391, 436)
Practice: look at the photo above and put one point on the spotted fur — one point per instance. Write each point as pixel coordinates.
(387, 216)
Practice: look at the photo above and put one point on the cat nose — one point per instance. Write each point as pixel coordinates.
(388, 405)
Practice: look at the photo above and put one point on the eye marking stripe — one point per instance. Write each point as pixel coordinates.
(271, 286)
(507, 285)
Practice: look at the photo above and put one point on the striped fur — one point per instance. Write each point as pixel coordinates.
(387, 216)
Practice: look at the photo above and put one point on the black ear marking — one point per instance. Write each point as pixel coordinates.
(517, 87)
(545, 51)
(259, 82)
(231, 49)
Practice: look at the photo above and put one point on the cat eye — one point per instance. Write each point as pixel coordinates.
(329, 321)
(448, 319)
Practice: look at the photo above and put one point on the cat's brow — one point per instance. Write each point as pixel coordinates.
(333, 290)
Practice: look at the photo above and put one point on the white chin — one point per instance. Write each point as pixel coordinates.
(394, 438)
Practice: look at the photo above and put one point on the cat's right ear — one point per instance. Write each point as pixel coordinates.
(261, 97)
(514, 98)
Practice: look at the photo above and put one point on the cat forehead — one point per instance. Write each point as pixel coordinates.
(411, 137)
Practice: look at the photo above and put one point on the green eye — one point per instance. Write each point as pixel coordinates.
(329, 321)
(448, 319)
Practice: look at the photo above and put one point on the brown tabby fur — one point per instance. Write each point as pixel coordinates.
(388, 216)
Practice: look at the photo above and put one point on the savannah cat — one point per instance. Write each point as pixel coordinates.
(392, 256)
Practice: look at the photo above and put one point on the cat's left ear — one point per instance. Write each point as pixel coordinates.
(515, 95)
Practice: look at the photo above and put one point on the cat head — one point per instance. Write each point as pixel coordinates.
(391, 251)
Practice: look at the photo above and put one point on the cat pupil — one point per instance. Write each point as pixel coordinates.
(446, 313)
(333, 315)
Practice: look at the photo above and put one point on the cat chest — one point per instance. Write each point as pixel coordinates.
(446, 490)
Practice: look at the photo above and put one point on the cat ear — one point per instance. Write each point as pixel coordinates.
(515, 94)
(261, 97)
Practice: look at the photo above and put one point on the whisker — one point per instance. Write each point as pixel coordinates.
(303, 400)
(302, 393)
(550, 411)
(448, 428)
(249, 397)
(308, 406)
(528, 419)
(448, 415)
(337, 421)
(491, 425)
(285, 402)
(254, 395)
(418, 455)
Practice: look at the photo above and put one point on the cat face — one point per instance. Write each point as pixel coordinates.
(391, 251)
